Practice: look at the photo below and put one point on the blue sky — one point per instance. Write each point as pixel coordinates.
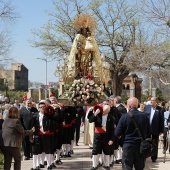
(32, 15)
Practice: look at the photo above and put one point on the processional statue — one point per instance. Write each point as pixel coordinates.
(84, 58)
(85, 61)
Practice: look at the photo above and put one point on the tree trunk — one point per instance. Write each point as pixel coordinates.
(117, 81)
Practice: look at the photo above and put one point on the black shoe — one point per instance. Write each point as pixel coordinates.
(100, 164)
(111, 164)
(26, 158)
(93, 168)
(153, 160)
(53, 165)
(71, 152)
(37, 168)
(68, 155)
(106, 167)
(33, 169)
(77, 144)
(58, 162)
(41, 166)
(45, 162)
(49, 168)
(117, 162)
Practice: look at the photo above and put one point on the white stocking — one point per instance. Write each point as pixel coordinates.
(58, 154)
(107, 160)
(95, 160)
(72, 144)
(63, 149)
(42, 158)
(100, 158)
(67, 148)
(52, 158)
(48, 157)
(116, 154)
(119, 153)
(35, 157)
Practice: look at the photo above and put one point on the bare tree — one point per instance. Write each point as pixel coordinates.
(155, 56)
(56, 37)
(7, 16)
(123, 34)
(115, 33)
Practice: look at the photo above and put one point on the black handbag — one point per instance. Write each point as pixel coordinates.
(147, 146)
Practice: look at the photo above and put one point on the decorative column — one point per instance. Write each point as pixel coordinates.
(40, 93)
(30, 92)
(49, 90)
(132, 92)
(154, 92)
(61, 88)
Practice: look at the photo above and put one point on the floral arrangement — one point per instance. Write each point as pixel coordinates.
(84, 91)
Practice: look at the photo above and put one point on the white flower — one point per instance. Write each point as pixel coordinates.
(95, 85)
(73, 85)
(91, 82)
(98, 89)
(87, 86)
(87, 90)
(78, 88)
(75, 82)
(80, 92)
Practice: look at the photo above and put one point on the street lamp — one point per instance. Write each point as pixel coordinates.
(6, 88)
(45, 59)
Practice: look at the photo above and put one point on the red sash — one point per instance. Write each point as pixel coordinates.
(99, 130)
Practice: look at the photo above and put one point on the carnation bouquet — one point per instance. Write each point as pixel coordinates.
(83, 91)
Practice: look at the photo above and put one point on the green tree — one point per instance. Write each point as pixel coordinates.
(159, 95)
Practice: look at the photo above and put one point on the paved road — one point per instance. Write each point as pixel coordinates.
(81, 160)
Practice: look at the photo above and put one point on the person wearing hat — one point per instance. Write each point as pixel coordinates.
(103, 134)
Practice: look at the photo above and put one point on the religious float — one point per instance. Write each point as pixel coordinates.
(84, 72)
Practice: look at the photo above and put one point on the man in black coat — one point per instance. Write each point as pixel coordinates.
(122, 110)
(25, 116)
(131, 140)
(156, 118)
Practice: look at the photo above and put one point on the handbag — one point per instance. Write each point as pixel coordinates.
(147, 146)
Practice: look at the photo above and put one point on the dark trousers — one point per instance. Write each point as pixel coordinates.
(9, 153)
(100, 144)
(155, 139)
(131, 157)
(165, 138)
(26, 144)
(77, 133)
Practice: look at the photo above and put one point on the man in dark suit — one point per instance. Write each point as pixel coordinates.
(156, 118)
(122, 110)
(25, 116)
